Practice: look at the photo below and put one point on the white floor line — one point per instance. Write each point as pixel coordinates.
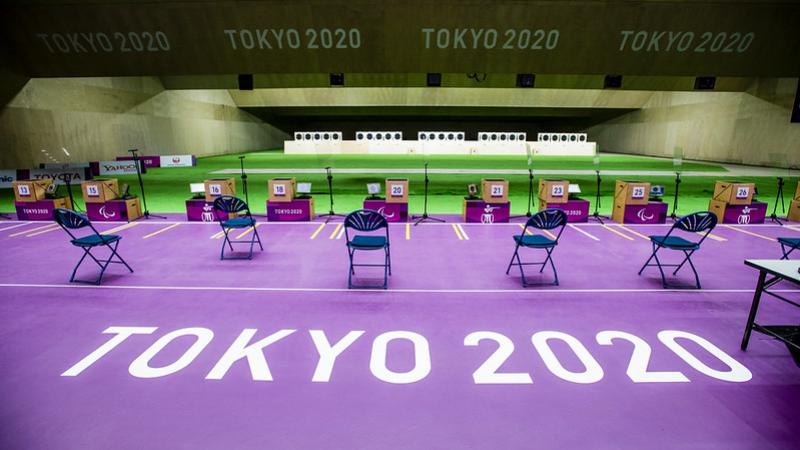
(341, 233)
(15, 226)
(378, 290)
(582, 232)
(463, 233)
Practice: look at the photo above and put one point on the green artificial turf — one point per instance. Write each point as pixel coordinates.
(168, 188)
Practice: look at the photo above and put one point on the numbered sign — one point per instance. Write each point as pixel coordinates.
(92, 191)
(742, 192)
(397, 190)
(638, 192)
(557, 190)
(215, 189)
(24, 190)
(279, 189)
(497, 190)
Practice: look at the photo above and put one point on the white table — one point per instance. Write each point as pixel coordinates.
(778, 270)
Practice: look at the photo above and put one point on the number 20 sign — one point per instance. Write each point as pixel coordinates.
(397, 190)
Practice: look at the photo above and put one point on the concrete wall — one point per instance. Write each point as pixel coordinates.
(100, 118)
(749, 127)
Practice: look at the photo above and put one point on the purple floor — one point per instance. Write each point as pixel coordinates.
(448, 283)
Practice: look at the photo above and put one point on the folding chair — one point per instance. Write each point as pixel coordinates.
(695, 223)
(70, 220)
(227, 205)
(547, 219)
(367, 220)
(792, 244)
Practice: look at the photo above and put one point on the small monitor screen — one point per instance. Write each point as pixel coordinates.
(197, 187)
(574, 189)
(303, 188)
(373, 188)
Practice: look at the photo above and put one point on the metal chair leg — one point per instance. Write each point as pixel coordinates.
(648, 259)
(688, 255)
(660, 269)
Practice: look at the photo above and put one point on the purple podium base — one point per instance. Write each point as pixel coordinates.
(755, 212)
(40, 210)
(297, 210)
(577, 210)
(393, 212)
(199, 210)
(478, 211)
(110, 211)
(652, 212)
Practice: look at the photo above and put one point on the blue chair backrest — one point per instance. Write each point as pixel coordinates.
(697, 222)
(231, 205)
(68, 218)
(365, 220)
(547, 219)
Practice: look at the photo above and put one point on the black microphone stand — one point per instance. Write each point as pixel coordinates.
(778, 196)
(596, 213)
(66, 177)
(136, 160)
(530, 197)
(425, 217)
(244, 180)
(331, 214)
(674, 215)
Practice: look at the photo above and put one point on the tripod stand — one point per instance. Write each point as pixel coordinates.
(66, 177)
(331, 214)
(136, 160)
(530, 196)
(425, 217)
(778, 196)
(596, 213)
(674, 216)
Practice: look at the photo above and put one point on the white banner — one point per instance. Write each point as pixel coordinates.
(7, 177)
(177, 161)
(66, 166)
(53, 174)
(117, 168)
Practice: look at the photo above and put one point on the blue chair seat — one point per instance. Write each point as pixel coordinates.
(93, 240)
(535, 241)
(367, 242)
(792, 242)
(239, 222)
(675, 242)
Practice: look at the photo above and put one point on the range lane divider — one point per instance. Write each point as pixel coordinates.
(633, 232)
(248, 231)
(750, 233)
(616, 232)
(713, 236)
(31, 230)
(335, 231)
(463, 232)
(408, 230)
(120, 228)
(15, 226)
(576, 228)
(168, 227)
(57, 227)
(321, 226)
(458, 233)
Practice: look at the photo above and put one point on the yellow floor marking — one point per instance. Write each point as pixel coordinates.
(617, 232)
(458, 233)
(32, 229)
(791, 227)
(523, 227)
(713, 236)
(463, 232)
(547, 232)
(161, 230)
(218, 235)
(120, 228)
(749, 232)
(634, 232)
(552, 236)
(44, 231)
(335, 231)
(321, 226)
(408, 231)
(248, 231)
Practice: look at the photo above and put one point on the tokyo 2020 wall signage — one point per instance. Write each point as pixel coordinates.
(416, 36)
